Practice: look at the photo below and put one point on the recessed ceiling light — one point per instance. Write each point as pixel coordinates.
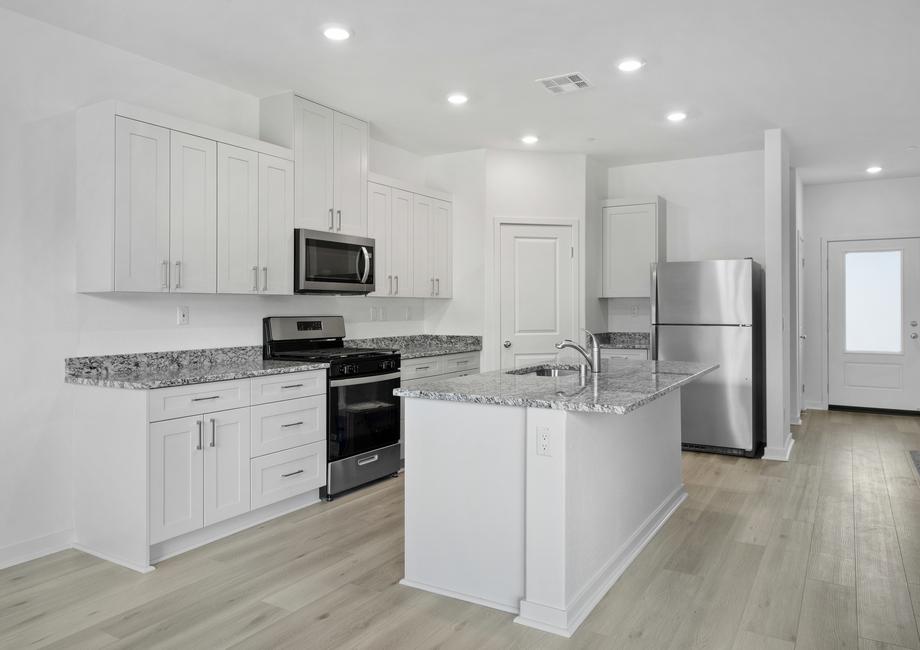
(677, 116)
(630, 65)
(530, 139)
(874, 169)
(336, 33)
(457, 98)
(914, 147)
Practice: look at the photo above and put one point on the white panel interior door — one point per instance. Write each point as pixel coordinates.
(630, 247)
(378, 229)
(422, 276)
(276, 225)
(400, 239)
(350, 185)
(193, 213)
(176, 470)
(141, 206)
(313, 153)
(538, 292)
(873, 307)
(237, 219)
(226, 465)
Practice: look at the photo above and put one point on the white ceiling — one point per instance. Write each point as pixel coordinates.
(839, 76)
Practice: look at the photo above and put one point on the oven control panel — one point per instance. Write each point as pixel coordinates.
(364, 367)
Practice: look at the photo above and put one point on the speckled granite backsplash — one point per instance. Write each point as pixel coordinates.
(422, 345)
(624, 340)
(160, 361)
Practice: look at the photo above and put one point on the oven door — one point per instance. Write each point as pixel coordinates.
(363, 415)
(326, 262)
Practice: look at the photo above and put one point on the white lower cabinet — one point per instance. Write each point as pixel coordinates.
(176, 478)
(291, 423)
(226, 465)
(285, 474)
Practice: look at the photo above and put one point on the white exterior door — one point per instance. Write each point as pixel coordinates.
(400, 242)
(422, 275)
(226, 465)
(193, 213)
(141, 206)
(276, 225)
(537, 292)
(350, 176)
(873, 313)
(237, 219)
(378, 228)
(314, 152)
(439, 247)
(176, 471)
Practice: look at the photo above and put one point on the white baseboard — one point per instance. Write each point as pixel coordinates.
(35, 548)
(502, 607)
(140, 568)
(778, 453)
(567, 622)
(815, 406)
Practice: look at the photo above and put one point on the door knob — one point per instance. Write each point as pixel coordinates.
(913, 323)
(507, 344)
(913, 336)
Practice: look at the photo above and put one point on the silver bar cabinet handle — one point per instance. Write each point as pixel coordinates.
(178, 274)
(432, 286)
(300, 471)
(199, 435)
(390, 281)
(164, 274)
(331, 220)
(339, 212)
(292, 386)
(438, 291)
(292, 424)
(264, 278)
(213, 432)
(204, 399)
(255, 278)
(397, 284)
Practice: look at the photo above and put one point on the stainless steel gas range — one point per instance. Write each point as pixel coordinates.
(362, 436)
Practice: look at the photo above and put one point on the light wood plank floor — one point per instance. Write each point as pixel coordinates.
(820, 552)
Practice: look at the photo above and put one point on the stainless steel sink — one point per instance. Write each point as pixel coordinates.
(554, 372)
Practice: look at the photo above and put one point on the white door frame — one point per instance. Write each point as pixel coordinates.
(825, 352)
(492, 329)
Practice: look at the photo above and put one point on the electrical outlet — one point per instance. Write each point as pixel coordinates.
(635, 310)
(543, 440)
(182, 315)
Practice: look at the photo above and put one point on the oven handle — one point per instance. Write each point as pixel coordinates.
(335, 383)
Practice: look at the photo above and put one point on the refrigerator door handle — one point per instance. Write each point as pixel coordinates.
(653, 334)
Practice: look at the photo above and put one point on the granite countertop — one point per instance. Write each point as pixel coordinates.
(422, 345)
(623, 340)
(621, 386)
(151, 370)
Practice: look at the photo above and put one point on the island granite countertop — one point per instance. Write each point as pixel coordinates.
(621, 386)
(623, 340)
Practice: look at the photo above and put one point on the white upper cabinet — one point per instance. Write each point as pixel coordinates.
(330, 156)
(379, 217)
(422, 275)
(192, 214)
(634, 238)
(237, 220)
(276, 225)
(151, 191)
(389, 223)
(439, 248)
(141, 177)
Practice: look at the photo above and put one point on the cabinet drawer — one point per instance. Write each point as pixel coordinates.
(278, 387)
(182, 401)
(456, 362)
(623, 353)
(291, 423)
(285, 474)
(424, 367)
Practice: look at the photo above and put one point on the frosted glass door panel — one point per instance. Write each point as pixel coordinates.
(873, 301)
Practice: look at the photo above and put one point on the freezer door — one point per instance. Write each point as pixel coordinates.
(715, 292)
(717, 409)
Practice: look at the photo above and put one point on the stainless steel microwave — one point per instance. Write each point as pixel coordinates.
(326, 262)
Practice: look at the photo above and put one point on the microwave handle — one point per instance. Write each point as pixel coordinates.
(367, 264)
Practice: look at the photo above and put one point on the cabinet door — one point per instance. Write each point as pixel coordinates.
(378, 227)
(176, 478)
(226, 465)
(400, 238)
(237, 219)
(351, 143)
(439, 249)
(422, 276)
(313, 155)
(141, 206)
(193, 214)
(630, 247)
(276, 225)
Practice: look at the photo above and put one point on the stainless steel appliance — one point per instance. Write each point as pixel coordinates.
(713, 311)
(327, 262)
(362, 435)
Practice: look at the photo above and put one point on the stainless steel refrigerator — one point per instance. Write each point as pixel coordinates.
(713, 311)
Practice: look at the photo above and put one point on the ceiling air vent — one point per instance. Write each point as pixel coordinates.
(566, 83)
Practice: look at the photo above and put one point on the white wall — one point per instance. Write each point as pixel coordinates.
(863, 209)
(715, 210)
(398, 163)
(595, 193)
(47, 73)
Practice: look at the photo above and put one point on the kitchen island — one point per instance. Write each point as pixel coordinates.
(532, 493)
